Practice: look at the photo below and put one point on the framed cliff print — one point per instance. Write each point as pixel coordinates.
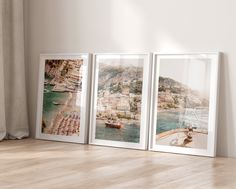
(184, 103)
(63, 97)
(120, 100)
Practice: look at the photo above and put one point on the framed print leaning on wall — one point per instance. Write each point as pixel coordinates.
(184, 103)
(120, 100)
(62, 97)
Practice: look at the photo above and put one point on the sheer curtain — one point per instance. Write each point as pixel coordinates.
(13, 105)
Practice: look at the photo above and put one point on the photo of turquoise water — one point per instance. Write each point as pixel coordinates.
(129, 133)
(50, 110)
(168, 120)
(61, 96)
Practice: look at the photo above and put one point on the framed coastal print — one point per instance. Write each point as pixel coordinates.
(120, 100)
(63, 97)
(184, 103)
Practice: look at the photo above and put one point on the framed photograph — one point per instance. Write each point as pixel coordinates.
(184, 103)
(119, 110)
(63, 97)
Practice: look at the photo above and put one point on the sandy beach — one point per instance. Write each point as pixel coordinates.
(67, 120)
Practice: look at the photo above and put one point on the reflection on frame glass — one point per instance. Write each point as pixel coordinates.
(63, 88)
(185, 96)
(119, 113)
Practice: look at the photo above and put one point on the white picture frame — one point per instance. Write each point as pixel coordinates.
(143, 132)
(171, 142)
(80, 97)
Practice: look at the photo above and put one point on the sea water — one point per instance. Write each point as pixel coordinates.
(173, 119)
(129, 133)
(50, 110)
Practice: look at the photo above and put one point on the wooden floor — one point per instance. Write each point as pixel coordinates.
(35, 164)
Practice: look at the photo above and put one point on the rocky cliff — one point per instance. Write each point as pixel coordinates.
(173, 94)
(119, 79)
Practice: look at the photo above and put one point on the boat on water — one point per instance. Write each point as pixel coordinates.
(116, 125)
(56, 103)
(46, 91)
(46, 82)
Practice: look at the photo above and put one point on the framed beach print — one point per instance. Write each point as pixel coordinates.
(120, 100)
(184, 103)
(63, 97)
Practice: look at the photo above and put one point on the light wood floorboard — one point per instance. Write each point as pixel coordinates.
(38, 164)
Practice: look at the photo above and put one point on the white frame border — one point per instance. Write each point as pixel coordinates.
(82, 138)
(213, 107)
(144, 111)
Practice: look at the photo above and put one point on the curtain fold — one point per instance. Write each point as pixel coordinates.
(13, 104)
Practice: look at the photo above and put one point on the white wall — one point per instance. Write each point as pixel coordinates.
(69, 26)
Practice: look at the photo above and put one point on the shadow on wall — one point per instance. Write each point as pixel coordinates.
(226, 130)
(134, 27)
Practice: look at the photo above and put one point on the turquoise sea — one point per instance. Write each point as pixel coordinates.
(168, 120)
(49, 109)
(129, 133)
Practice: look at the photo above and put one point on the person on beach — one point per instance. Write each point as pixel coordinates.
(189, 136)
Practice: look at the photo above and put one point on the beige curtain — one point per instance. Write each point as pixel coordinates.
(13, 105)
